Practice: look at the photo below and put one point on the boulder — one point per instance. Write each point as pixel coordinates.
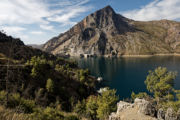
(99, 79)
(139, 110)
(178, 114)
(123, 105)
(145, 107)
(161, 114)
(114, 116)
(170, 114)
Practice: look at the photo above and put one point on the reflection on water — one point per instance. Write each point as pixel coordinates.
(128, 74)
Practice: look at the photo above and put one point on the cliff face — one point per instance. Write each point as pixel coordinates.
(108, 33)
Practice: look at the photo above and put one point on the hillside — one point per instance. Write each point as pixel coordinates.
(36, 80)
(105, 32)
(15, 49)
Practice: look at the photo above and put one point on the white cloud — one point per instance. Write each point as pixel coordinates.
(47, 27)
(23, 11)
(39, 11)
(71, 12)
(38, 14)
(37, 32)
(12, 29)
(15, 31)
(156, 10)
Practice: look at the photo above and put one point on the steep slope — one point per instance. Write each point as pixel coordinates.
(30, 70)
(15, 49)
(108, 33)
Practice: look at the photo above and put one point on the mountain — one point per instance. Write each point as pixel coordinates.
(105, 32)
(36, 46)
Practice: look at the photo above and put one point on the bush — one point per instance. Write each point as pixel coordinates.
(71, 117)
(91, 107)
(15, 101)
(50, 85)
(107, 103)
(2, 97)
(80, 108)
(140, 95)
(47, 114)
(160, 82)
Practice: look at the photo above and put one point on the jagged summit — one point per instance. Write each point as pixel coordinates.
(107, 9)
(105, 32)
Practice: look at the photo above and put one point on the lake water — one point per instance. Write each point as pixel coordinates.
(128, 74)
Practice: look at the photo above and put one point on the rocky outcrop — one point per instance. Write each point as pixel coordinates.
(142, 109)
(170, 114)
(161, 114)
(107, 33)
(145, 107)
(139, 110)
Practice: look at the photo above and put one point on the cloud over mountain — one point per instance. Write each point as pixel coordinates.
(156, 10)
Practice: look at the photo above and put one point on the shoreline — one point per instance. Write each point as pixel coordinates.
(150, 55)
(123, 56)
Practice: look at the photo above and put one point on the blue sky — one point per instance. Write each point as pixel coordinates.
(36, 21)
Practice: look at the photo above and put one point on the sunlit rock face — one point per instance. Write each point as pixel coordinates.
(105, 32)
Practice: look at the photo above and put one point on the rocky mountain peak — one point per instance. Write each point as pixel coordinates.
(108, 33)
(108, 10)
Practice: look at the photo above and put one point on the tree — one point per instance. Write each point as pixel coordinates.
(160, 82)
(80, 108)
(91, 107)
(106, 103)
(50, 85)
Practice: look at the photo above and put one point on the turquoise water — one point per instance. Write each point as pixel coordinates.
(128, 74)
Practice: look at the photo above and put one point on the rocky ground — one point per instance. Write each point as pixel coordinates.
(142, 110)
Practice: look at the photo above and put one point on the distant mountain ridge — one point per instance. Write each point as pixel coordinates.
(105, 32)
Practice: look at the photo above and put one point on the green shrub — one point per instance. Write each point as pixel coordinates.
(2, 97)
(47, 114)
(140, 95)
(80, 108)
(91, 107)
(107, 103)
(71, 117)
(50, 85)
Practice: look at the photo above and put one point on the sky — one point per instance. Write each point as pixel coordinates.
(37, 21)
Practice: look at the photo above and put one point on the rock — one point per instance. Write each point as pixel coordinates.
(145, 107)
(113, 116)
(123, 105)
(170, 114)
(139, 110)
(161, 114)
(178, 114)
(99, 79)
(102, 90)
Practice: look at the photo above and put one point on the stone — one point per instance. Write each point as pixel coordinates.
(139, 110)
(178, 114)
(170, 114)
(161, 114)
(123, 105)
(145, 107)
(113, 116)
(99, 79)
